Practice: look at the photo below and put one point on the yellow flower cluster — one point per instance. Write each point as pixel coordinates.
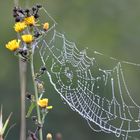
(20, 26)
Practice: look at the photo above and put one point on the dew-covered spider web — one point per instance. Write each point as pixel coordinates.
(101, 96)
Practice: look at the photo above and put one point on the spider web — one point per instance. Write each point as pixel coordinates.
(83, 84)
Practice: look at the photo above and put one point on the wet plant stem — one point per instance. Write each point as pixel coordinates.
(36, 94)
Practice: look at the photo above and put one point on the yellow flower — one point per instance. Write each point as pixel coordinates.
(46, 26)
(43, 102)
(30, 20)
(27, 38)
(13, 45)
(20, 26)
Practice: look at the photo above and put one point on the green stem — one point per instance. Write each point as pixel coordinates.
(36, 96)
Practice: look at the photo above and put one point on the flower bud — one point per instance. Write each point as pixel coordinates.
(49, 136)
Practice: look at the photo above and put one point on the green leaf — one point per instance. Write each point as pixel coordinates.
(32, 106)
(6, 123)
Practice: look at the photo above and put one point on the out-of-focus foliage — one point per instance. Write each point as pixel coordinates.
(108, 26)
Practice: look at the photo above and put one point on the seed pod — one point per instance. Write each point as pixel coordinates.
(39, 6)
(28, 96)
(15, 9)
(36, 16)
(40, 87)
(34, 118)
(17, 19)
(27, 10)
(43, 68)
(34, 8)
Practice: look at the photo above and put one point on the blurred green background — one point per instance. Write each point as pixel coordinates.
(108, 26)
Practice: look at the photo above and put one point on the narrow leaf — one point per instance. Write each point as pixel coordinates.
(6, 123)
(32, 106)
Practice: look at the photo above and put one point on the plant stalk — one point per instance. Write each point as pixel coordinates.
(22, 71)
(36, 95)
